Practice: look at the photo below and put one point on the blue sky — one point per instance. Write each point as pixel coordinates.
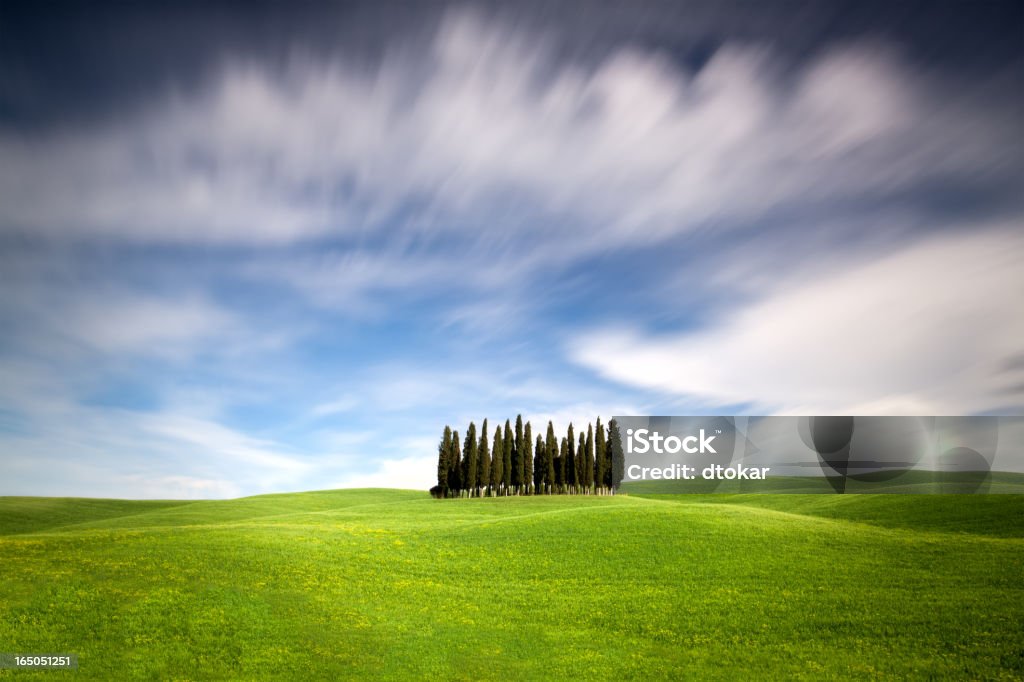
(284, 258)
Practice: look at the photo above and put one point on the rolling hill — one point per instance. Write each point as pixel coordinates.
(396, 585)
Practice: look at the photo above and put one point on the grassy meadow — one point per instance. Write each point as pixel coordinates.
(387, 584)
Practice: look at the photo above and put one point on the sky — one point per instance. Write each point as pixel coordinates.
(259, 247)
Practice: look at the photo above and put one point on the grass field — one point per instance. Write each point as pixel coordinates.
(914, 482)
(387, 584)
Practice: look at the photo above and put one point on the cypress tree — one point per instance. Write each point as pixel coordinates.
(515, 465)
(455, 466)
(527, 458)
(570, 461)
(483, 467)
(443, 449)
(550, 459)
(588, 461)
(560, 467)
(607, 463)
(518, 466)
(599, 456)
(469, 468)
(497, 462)
(581, 465)
(540, 466)
(506, 466)
(618, 460)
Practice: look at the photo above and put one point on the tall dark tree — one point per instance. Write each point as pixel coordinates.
(540, 467)
(506, 466)
(588, 462)
(514, 465)
(455, 466)
(551, 460)
(581, 464)
(560, 467)
(551, 453)
(469, 460)
(570, 460)
(443, 452)
(483, 466)
(618, 459)
(527, 458)
(518, 466)
(497, 462)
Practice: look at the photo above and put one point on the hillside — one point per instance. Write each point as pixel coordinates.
(912, 482)
(394, 584)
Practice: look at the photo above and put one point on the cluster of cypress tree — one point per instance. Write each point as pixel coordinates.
(513, 464)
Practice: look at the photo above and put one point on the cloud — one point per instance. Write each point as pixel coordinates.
(353, 281)
(64, 306)
(342, 405)
(931, 328)
(579, 415)
(485, 124)
(134, 323)
(415, 473)
(128, 453)
(243, 450)
(179, 487)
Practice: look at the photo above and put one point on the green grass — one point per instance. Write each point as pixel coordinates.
(34, 514)
(998, 516)
(907, 482)
(386, 584)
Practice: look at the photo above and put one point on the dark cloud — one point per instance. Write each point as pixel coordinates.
(68, 61)
(72, 60)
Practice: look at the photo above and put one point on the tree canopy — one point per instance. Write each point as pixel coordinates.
(587, 463)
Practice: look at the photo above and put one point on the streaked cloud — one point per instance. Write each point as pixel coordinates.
(927, 329)
(486, 125)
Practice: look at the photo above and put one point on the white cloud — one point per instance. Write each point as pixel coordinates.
(126, 322)
(350, 281)
(239, 449)
(179, 487)
(61, 308)
(932, 328)
(579, 415)
(78, 450)
(486, 125)
(416, 473)
(343, 404)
